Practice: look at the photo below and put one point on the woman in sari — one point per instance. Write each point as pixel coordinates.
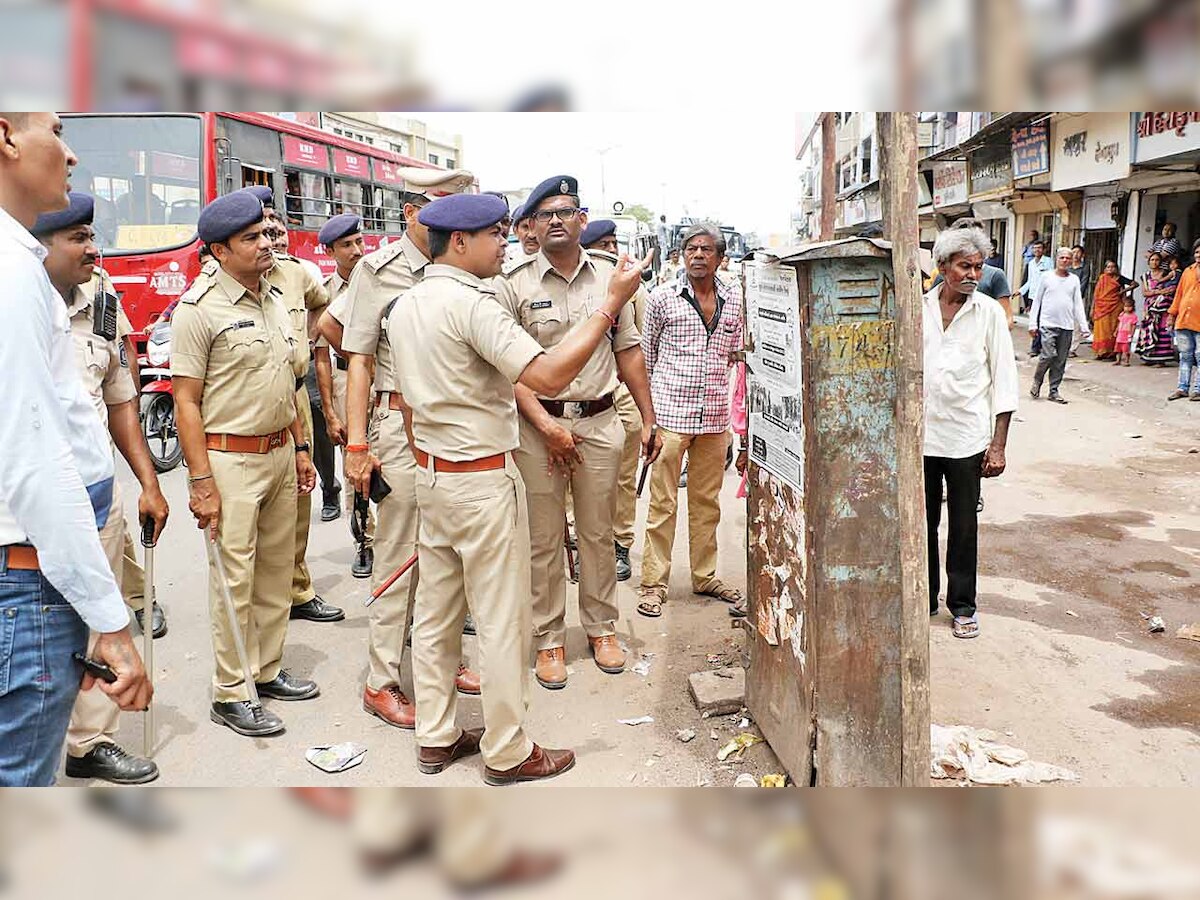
(1156, 345)
(1111, 290)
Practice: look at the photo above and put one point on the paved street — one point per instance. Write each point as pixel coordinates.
(1089, 528)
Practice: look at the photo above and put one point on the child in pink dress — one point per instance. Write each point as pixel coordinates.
(1125, 328)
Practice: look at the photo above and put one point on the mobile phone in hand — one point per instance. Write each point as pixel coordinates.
(95, 668)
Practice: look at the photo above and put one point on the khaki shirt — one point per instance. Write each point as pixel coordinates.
(549, 307)
(378, 279)
(335, 288)
(242, 346)
(103, 365)
(458, 354)
(302, 292)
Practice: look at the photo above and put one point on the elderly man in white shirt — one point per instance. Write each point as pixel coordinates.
(1057, 311)
(56, 477)
(970, 396)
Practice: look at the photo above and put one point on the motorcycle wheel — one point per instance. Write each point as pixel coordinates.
(158, 427)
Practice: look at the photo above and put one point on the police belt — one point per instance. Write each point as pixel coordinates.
(577, 409)
(342, 364)
(236, 443)
(486, 464)
(19, 556)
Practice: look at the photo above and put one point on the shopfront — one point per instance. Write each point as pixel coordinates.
(1166, 153)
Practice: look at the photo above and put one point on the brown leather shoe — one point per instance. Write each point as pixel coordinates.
(432, 760)
(392, 706)
(523, 867)
(466, 681)
(551, 668)
(542, 763)
(608, 654)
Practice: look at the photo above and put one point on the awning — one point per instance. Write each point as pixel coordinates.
(1040, 201)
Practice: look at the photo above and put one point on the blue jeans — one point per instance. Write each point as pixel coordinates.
(39, 632)
(1186, 342)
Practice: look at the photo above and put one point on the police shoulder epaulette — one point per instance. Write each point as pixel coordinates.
(201, 286)
(604, 255)
(518, 265)
(381, 257)
(210, 267)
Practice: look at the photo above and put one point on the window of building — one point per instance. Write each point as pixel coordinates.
(449, 162)
(433, 158)
(307, 199)
(864, 160)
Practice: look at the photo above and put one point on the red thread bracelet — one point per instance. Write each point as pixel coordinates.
(357, 448)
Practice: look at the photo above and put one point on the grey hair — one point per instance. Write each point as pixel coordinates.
(695, 231)
(954, 241)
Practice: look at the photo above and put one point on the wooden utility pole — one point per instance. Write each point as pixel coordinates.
(896, 133)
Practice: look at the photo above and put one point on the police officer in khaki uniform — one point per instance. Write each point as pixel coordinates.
(573, 436)
(343, 240)
(457, 354)
(103, 366)
(601, 236)
(234, 361)
(377, 281)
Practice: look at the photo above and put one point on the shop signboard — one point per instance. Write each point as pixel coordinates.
(949, 183)
(1030, 150)
(991, 170)
(1091, 148)
(1165, 134)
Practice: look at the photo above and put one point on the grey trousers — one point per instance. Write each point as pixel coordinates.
(1056, 345)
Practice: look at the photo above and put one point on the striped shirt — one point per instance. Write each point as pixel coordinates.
(688, 362)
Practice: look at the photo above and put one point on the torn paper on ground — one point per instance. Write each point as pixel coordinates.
(963, 753)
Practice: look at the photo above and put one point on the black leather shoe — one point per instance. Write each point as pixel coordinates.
(331, 509)
(317, 610)
(624, 570)
(288, 687)
(109, 762)
(158, 620)
(364, 563)
(246, 719)
(468, 624)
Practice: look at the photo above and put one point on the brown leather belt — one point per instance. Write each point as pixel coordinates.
(487, 464)
(394, 400)
(577, 409)
(236, 443)
(19, 556)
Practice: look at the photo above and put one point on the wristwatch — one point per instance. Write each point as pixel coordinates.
(304, 448)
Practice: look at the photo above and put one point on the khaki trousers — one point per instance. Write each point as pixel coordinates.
(625, 511)
(95, 718)
(133, 576)
(257, 545)
(594, 486)
(302, 586)
(474, 551)
(472, 843)
(339, 406)
(395, 543)
(706, 473)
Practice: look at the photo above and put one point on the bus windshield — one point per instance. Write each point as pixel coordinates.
(144, 172)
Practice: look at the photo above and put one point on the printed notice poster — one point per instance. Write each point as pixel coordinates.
(774, 388)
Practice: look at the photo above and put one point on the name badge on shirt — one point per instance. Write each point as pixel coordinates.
(541, 304)
(245, 323)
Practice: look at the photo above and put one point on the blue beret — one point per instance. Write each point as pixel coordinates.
(463, 212)
(519, 215)
(227, 215)
(557, 186)
(80, 210)
(600, 228)
(339, 227)
(265, 195)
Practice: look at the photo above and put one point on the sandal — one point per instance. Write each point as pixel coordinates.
(719, 590)
(738, 610)
(652, 601)
(965, 627)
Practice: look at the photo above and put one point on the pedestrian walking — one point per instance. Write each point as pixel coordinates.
(458, 355)
(103, 366)
(56, 482)
(601, 235)
(1184, 317)
(1035, 267)
(235, 359)
(970, 397)
(375, 284)
(573, 437)
(1058, 311)
(693, 330)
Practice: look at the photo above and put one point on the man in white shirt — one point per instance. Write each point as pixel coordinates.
(970, 396)
(1057, 310)
(56, 476)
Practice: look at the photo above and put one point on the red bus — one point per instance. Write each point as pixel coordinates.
(152, 173)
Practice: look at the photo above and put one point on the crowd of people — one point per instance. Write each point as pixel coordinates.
(476, 403)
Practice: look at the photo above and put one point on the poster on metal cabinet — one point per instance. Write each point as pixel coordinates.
(775, 385)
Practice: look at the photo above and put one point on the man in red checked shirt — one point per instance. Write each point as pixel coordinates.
(693, 326)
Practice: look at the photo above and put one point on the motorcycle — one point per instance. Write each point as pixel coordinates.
(158, 399)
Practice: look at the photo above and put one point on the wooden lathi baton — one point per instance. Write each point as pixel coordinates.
(646, 465)
(392, 579)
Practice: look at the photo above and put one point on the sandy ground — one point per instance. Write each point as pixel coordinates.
(1089, 528)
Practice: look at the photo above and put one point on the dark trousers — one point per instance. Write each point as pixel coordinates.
(962, 478)
(1056, 347)
(323, 457)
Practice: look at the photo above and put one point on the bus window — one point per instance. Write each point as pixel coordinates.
(144, 172)
(393, 211)
(351, 197)
(307, 199)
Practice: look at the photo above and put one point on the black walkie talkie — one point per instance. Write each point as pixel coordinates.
(104, 315)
